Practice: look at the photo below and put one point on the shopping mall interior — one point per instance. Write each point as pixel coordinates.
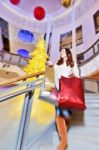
(32, 32)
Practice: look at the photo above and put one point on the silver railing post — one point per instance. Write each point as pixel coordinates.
(25, 118)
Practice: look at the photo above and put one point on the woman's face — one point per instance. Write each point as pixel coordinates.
(63, 54)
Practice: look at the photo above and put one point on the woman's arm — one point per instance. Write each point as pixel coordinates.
(50, 64)
(57, 75)
(56, 72)
(76, 70)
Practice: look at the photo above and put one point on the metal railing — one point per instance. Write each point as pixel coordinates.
(89, 54)
(27, 106)
(14, 59)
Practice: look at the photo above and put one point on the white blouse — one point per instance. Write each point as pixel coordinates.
(64, 70)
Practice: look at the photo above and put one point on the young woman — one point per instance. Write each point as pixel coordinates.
(64, 67)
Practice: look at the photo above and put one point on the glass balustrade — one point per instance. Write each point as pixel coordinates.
(42, 115)
(10, 115)
(23, 116)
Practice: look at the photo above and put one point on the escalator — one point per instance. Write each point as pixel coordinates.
(27, 123)
(23, 117)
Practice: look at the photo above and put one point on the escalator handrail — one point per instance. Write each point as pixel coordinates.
(90, 79)
(28, 89)
(11, 81)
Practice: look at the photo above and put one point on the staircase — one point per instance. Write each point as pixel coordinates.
(83, 133)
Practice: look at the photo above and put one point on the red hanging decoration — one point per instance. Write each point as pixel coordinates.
(39, 13)
(15, 2)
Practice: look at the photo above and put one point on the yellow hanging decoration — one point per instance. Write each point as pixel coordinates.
(66, 3)
(37, 63)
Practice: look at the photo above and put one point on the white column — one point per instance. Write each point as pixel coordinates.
(48, 31)
(55, 45)
(74, 33)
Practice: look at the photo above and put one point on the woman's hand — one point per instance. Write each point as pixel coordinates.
(50, 63)
(71, 75)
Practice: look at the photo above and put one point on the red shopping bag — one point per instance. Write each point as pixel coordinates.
(71, 93)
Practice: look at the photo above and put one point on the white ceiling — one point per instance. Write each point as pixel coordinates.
(49, 5)
(52, 7)
(22, 14)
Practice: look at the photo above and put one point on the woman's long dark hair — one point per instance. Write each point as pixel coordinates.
(69, 61)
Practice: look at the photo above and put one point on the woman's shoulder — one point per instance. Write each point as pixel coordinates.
(56, 65)
(75, 65)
